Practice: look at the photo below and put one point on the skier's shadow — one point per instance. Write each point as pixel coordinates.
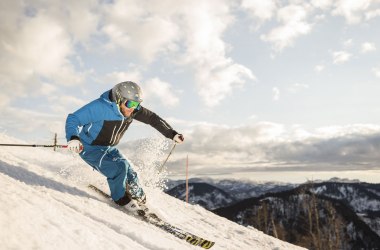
(31, 178)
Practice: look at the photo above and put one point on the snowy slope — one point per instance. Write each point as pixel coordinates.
(45, 204)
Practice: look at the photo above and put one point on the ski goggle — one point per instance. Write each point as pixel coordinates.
(132, 104)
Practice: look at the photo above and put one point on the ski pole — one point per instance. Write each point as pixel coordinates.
(33, 145)
(163, 164)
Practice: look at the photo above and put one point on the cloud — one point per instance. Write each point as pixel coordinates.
(44, 52)
(158, 89)
(368, 47)
(276, 93)
(216, 75)
(376, 71)
(322, 4)
(134, 75)
(35, 49)
(140, 28)
(372, 14)
(348, 43)
(61, 103)
(319, 67)
(341, 57)
(216, 82)
(252, 117)
(67, 14)
(189, 33)
(293, 19)
(261, 10)
(350, 144)
(297, 87)
(271, 144)
(353, 11)
(228, 144)
(43, 124)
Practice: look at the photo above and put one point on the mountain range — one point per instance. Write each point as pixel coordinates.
(212, 194)
(336, 214)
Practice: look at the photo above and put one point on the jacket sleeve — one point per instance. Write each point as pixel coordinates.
(73, 126)
(146, 116)
(75, 121)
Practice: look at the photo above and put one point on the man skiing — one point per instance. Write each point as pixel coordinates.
(94, 130)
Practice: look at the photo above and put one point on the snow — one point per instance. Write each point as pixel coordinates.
(319, 190)
(45, 204)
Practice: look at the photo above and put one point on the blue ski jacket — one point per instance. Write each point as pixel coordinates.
(101, 123)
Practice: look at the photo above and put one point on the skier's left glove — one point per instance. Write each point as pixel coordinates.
(178, 138)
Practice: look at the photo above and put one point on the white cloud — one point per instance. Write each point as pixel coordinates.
(331, 132)
(348, 43)
(141, 28)
(35, 48)
(341, 57)
(134, 75)
(41, 46)
(61, 103)
(319, 67)
(252, 117)
(216, 75)
(79, 18)
(262, 10)
(158, 89)
(368, 47)
(46, 89)
(376, 71)
(242, 141)
(276, 93)
(297, 87)
(372, 14)
(215, 82)
(294, 24)
(322, 4)
(272, 143)
(352, 10)
(190, 33)
(293, 18)
(16, 118)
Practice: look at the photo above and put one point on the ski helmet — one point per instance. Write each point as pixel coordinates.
(126, 91)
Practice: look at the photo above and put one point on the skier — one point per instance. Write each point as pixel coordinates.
(94, 130)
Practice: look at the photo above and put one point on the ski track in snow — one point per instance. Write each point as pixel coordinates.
(45, 204)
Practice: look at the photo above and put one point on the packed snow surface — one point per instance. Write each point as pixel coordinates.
(46, 204)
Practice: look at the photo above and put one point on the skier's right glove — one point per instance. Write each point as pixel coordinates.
(178, 138)
(75, 146)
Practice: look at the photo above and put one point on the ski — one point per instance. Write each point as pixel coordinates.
(153, 219)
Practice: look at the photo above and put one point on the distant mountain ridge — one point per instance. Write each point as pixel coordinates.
(363, 198)
(305, 219)
(340, 214)
(233, 190)
(206, 195)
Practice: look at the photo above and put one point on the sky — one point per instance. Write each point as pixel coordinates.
(284, 90)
